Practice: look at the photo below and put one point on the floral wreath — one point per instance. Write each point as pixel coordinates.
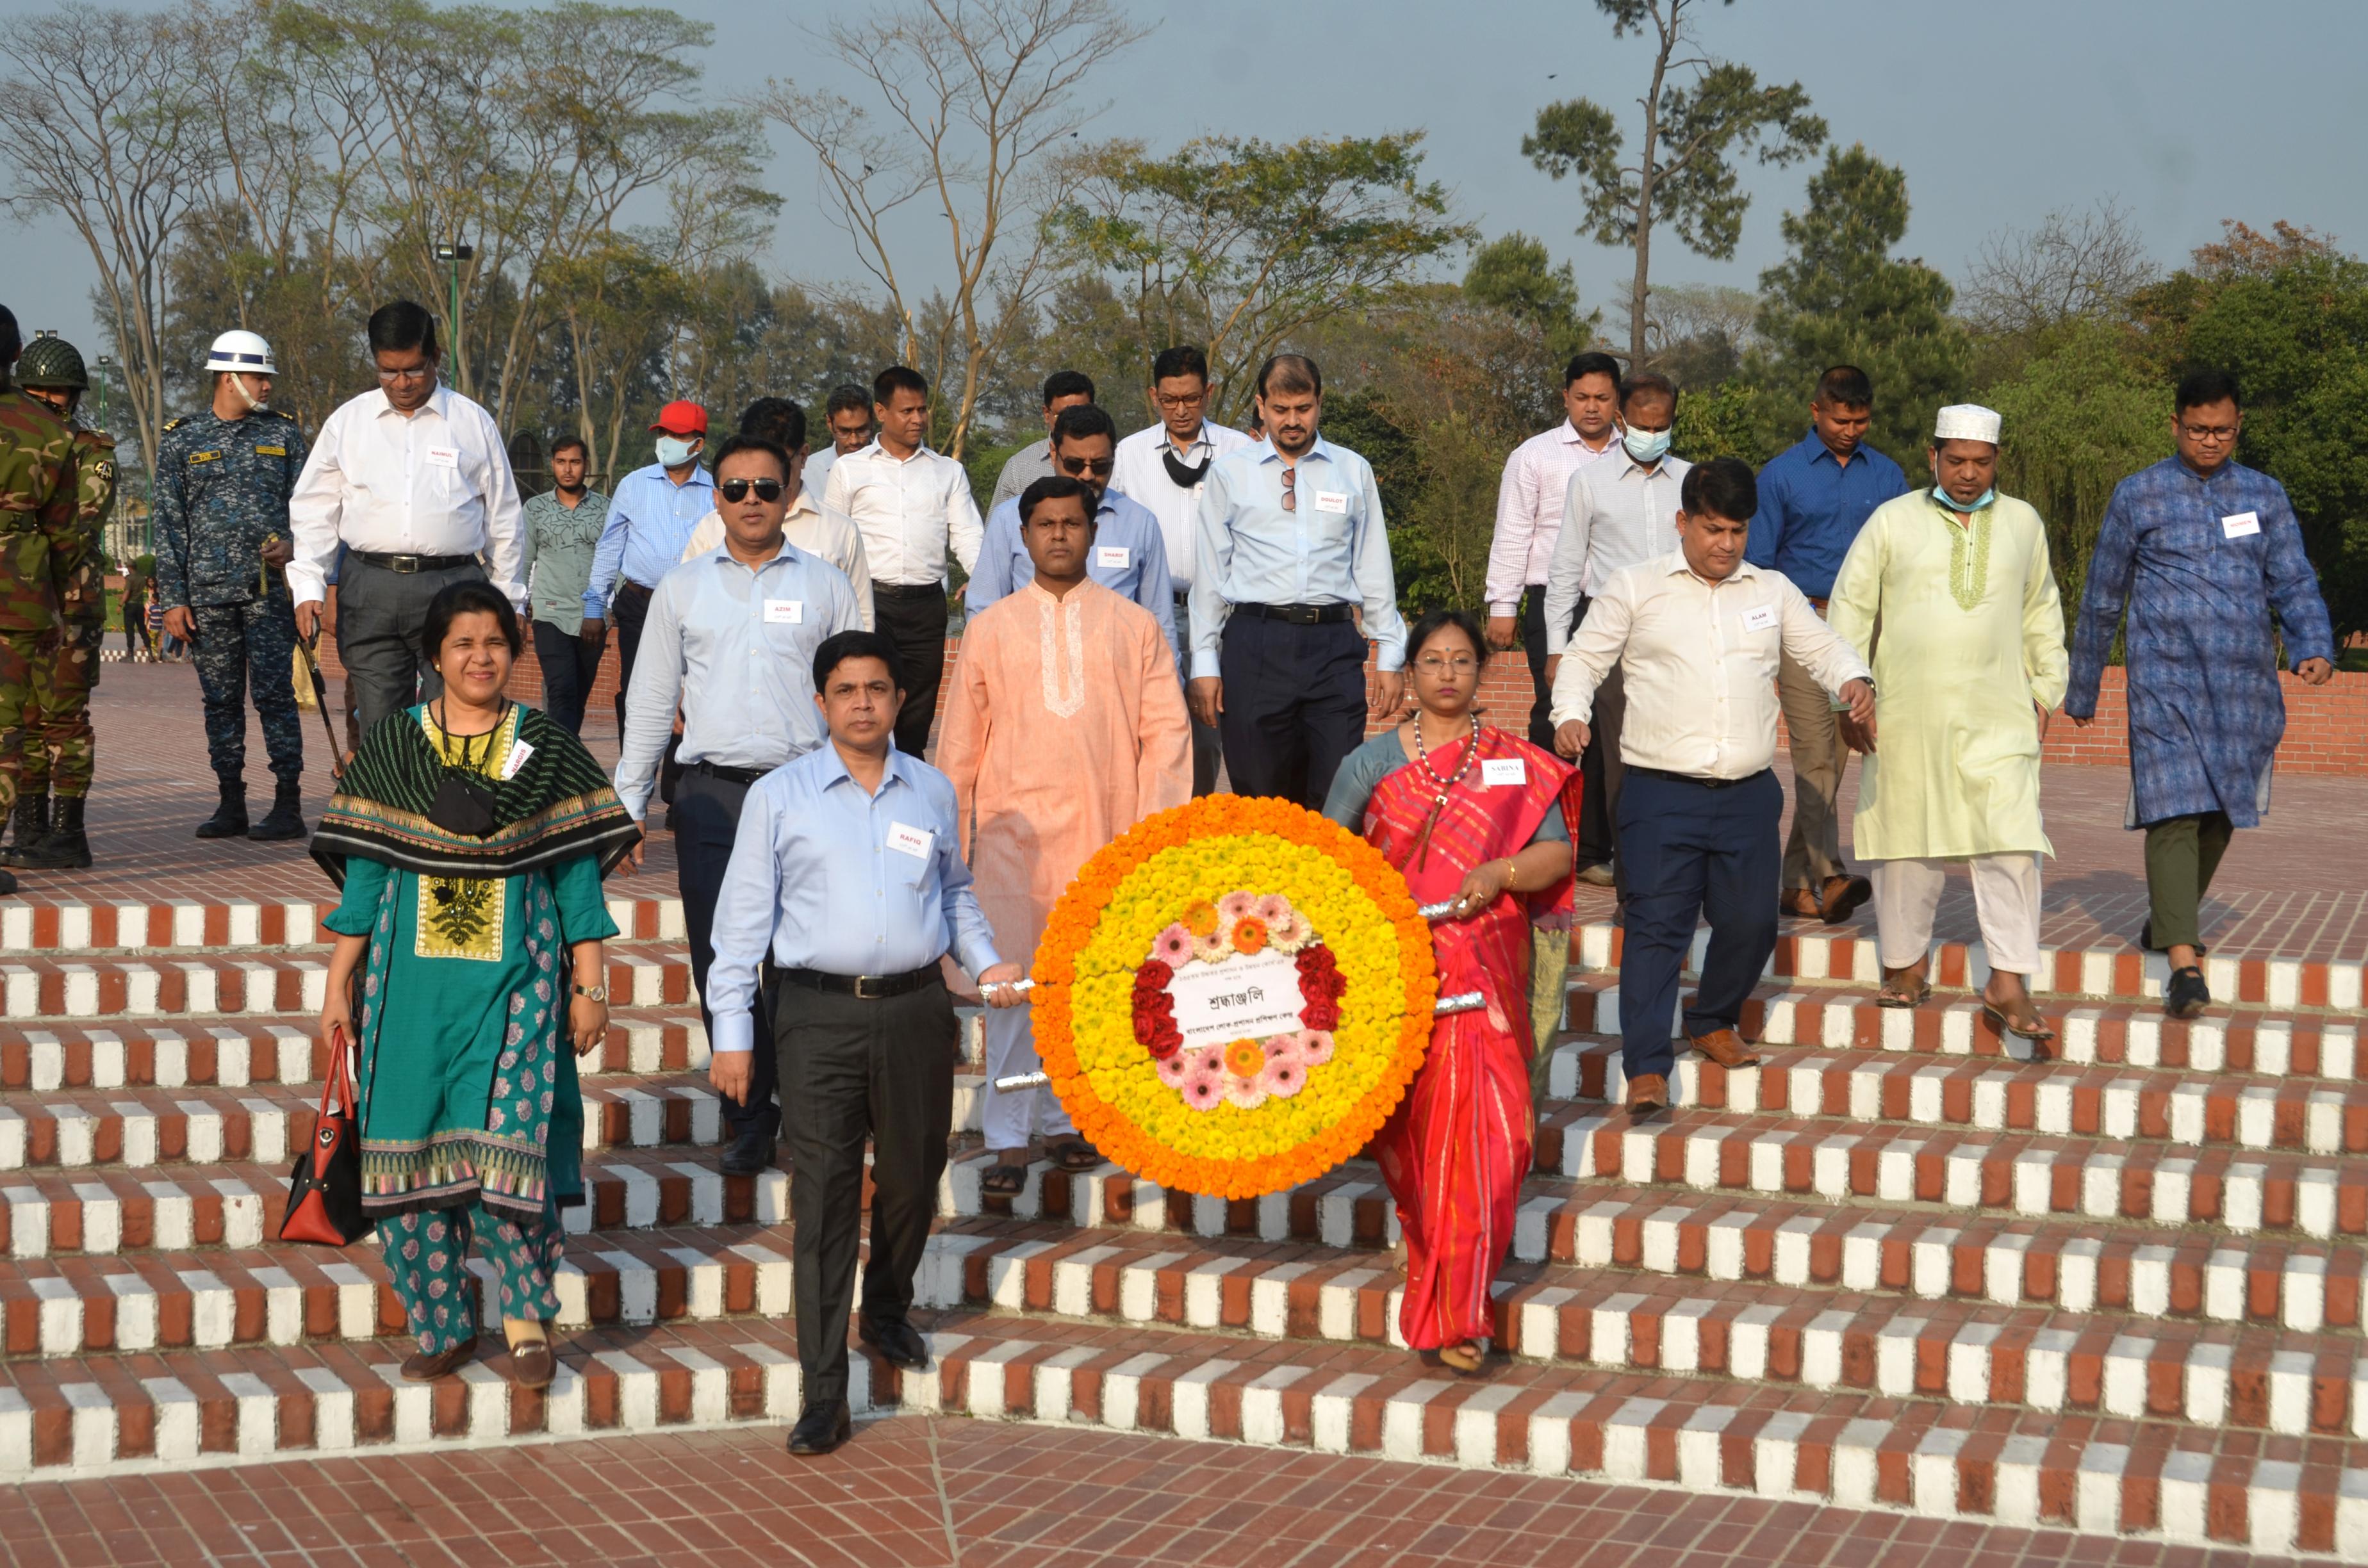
(1200, 886)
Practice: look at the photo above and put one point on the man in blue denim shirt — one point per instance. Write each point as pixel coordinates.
(1814, 498)
(562, 528)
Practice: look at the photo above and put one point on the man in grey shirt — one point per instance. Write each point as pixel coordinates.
(563, 529)
(1063, 389)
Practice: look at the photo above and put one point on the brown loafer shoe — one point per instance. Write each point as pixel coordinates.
(1726, 1048)
(532, 1365)
(1800, 903)
(426, 1369)
(1842, 897)
(1647, 1092)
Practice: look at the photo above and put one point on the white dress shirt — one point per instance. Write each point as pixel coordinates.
(438, 483)
(1699, 662)
(731, 649)
(1529, 510)
(1139, 473)
(1614, 514)
(907, 510)
(811, 529)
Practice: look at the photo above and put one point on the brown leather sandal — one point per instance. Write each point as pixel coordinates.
(532, 1365)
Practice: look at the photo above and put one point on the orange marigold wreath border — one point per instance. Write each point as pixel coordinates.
(1072, 925)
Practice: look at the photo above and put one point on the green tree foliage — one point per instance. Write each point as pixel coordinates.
(1236, 244)
(2289, 313)
(1699, 115)
(1840, 297)
(2079, 420)
(1514, 275)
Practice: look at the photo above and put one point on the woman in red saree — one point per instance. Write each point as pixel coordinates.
(1475, 816)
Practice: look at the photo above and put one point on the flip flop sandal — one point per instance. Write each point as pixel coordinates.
(1474, 1371)
(1073, 1155)
(1005, 1182)
(1893, 996)
(2006, 1026)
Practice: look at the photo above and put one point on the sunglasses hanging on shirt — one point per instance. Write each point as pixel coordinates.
(736, 490)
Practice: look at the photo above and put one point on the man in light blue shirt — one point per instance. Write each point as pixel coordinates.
(845, 888)
(1291, 548)
(650, 519)
(1129, 557)
(730, 642)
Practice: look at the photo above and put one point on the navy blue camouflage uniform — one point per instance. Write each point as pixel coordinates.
(221, 490)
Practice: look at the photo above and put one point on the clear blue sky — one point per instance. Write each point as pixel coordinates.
(2185, 111)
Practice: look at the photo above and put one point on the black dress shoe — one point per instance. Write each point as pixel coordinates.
(822, 1428)
(748, 1153)
(899, 1344)
(2186, 996)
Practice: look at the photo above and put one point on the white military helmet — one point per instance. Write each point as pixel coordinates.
(241, 350)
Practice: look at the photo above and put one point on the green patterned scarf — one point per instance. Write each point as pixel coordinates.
(556, 805)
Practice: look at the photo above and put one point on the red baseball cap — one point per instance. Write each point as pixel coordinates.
(682, 418)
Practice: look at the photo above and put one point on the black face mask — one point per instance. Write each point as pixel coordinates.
(463, 805)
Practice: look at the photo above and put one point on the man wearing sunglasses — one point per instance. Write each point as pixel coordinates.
(807, 525)
(1129, 557)
(730, 642)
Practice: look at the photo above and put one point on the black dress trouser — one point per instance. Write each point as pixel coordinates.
(705, 819)
(914, 619)
(1294, 705)
(852, 1069)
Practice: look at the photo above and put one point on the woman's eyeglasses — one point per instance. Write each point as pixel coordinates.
(1432, 665)
(737, 490)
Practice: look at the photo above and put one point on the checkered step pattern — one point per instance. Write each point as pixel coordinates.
(1900, 1265)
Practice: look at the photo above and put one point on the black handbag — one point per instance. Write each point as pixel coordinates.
(324, 1191)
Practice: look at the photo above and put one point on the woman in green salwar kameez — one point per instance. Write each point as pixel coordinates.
(470, 836)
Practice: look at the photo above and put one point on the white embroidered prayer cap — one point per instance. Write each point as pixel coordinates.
(1967, 422)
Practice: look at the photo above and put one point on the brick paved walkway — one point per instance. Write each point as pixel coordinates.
(930, 1493)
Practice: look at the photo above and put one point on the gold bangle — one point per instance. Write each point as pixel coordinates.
(1512, 876)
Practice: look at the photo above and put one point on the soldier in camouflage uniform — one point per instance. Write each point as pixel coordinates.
(222, 482)
(59, 720)
(38, 486)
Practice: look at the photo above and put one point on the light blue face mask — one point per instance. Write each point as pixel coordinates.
(1645, 446)
(673, 451)
(1967, 507)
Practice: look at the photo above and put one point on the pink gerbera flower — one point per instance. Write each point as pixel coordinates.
(1204, 1093)
(1282, 1048)
(1290, 934)
(1215, 948)
(1274, 909)
(1247, 1093)
(1179, 1069)
(1233, 905)
(1173, 946)
(1314, 1047)
(1283, 1077)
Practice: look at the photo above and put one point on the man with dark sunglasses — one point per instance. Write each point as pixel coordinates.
(1129, 556)
(729, 642)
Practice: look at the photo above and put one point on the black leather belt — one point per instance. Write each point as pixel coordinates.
(413, 563)
(638, 590)
(1298, 615)
(730, 775)
(908, 590)
(1695, 777)
(865, 987)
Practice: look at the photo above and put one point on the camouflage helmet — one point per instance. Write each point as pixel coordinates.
(52, 361)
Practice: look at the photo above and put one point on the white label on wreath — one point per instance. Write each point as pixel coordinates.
(1252, 997)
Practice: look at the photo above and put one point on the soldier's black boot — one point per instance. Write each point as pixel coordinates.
(31, 822)
(67, 848)
(287, 818)
(229, 819)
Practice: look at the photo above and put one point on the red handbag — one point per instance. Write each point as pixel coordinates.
(325, 1191)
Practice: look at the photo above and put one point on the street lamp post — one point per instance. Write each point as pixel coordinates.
(453, 253)
(106, 364)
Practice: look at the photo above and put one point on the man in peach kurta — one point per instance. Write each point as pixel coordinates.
(1063, 728)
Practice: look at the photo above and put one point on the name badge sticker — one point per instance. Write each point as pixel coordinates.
(2241, 525)
(1760, 617)
(1333, 501)
(444, 457)
(1112, 557)
(785, 612)
(1499, 771)
(908, 840)
(519, 752)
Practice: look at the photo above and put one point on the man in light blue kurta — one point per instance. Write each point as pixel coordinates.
(2200, 551)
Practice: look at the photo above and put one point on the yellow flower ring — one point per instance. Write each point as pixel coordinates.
(1212, 867)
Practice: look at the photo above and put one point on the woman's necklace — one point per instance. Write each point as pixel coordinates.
(467, 760)
(1446, 786)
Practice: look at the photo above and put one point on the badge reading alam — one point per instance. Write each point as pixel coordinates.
(1233, 997)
